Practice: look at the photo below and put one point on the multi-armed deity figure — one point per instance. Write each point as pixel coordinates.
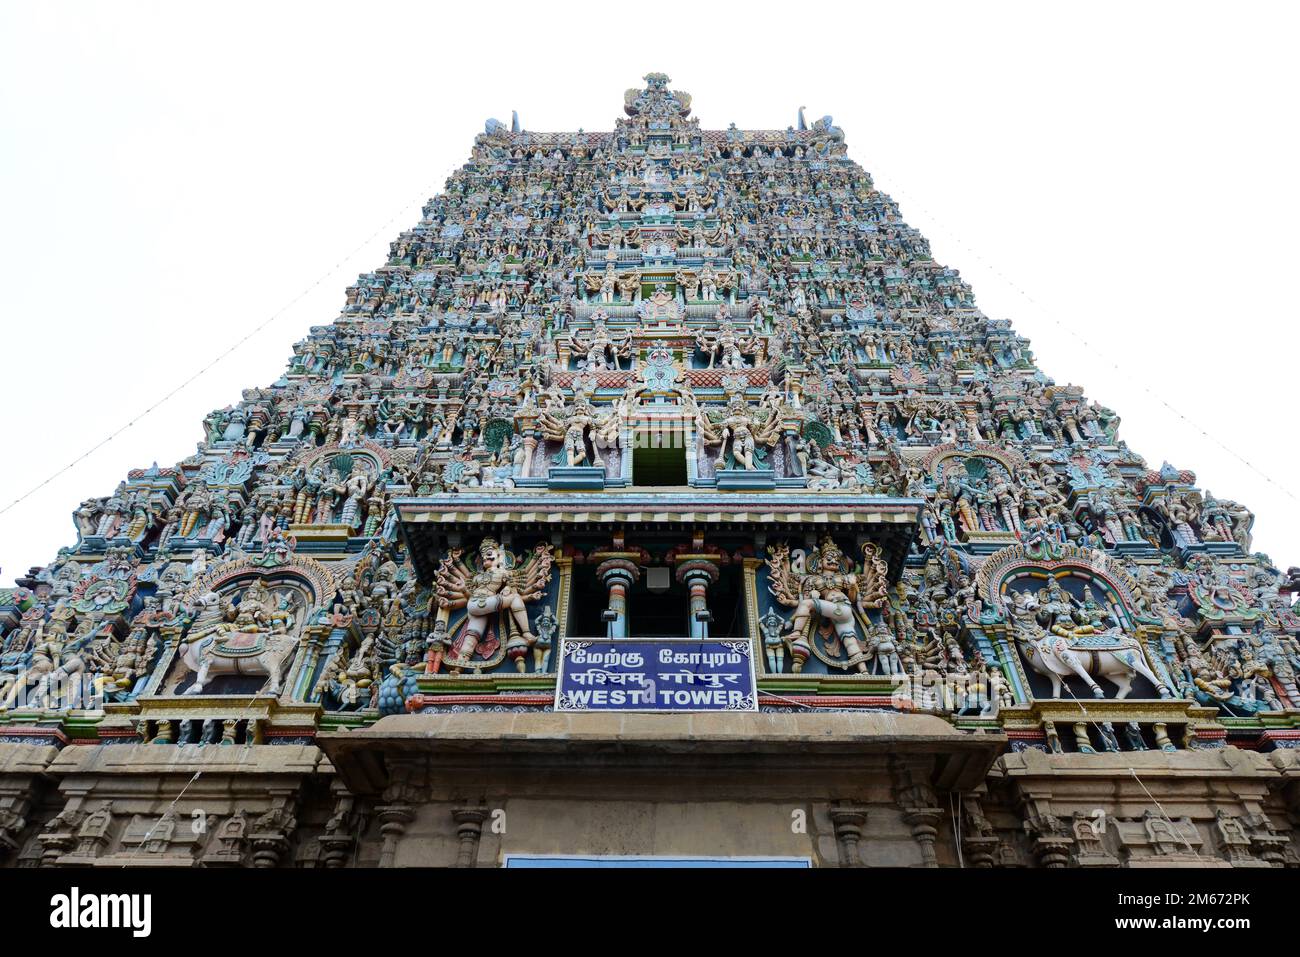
(495, 594)
(601, 348)
(825, 587)
(582, 430)
(725, 345)
(743, 434)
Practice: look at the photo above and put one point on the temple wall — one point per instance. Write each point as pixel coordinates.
(442, 792)
(659, 383)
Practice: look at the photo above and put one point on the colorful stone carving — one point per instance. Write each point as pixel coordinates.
(665, 367)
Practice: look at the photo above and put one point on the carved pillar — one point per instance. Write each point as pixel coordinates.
(924, 822)
(339, 839)
(469, 829)
(395, 813)
(1051, 839)
(849, 822)
(920, 807)
(527, 419)
(980, 845)
(393, 819)
(617, 574)
(530, 452)
(269, 835)
(306, 657)
(698, 574)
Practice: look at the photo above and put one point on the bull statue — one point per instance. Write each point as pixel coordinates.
(1060, 644)
(255, 638)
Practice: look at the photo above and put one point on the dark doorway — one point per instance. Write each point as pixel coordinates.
(666, 614)
(659, 465)
(590, 599)
(662, 614)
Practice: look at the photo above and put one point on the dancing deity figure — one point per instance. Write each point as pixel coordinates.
(494, 591)
(827, 593)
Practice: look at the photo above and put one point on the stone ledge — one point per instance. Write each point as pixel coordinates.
(733, 739)
(1213, 763)
(26, 758)
(159, 759)
(715, 731)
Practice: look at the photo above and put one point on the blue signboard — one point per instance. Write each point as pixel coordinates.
(655, 674)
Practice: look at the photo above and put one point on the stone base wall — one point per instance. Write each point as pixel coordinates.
(831, 789)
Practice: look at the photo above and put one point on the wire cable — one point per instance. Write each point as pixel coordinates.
(1132, 770)
(1127, 374)
(219, 358)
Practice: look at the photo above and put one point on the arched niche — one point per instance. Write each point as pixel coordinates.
(1077, 571)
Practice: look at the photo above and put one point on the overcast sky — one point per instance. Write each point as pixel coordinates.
(171, 178)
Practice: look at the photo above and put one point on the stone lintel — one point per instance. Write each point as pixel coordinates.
(169, 759)
(804, 740)
(1220, 763)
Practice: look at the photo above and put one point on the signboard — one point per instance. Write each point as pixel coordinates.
(655, 674)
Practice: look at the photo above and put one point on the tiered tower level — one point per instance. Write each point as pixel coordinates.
(659, 381)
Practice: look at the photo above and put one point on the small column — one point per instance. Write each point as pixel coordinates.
(849, 822)
(924, 822)
(698, 574)
(397, 811)
(617, 574)
(530, 449)
(393, 819)
(469, 830)
(527, 419)
(920, 805)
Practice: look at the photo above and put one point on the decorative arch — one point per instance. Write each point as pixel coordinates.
(942, 457)
(316, 581)
(376, 454)
(1060, 561)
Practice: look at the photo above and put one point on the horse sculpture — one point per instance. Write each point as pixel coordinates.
(1057, 647)
(254, 639)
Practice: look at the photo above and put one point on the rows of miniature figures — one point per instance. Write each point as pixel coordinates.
(748, 294)
(960, 633)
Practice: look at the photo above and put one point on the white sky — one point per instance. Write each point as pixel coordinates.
(172, 176)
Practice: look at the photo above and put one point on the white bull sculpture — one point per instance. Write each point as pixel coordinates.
(255, 639)
(1082, 651)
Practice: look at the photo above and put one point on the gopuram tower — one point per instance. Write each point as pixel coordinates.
(612, 390)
